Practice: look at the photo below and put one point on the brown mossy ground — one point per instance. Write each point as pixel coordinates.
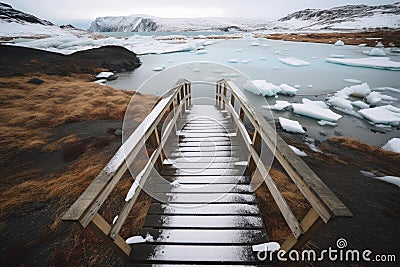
(370, 38)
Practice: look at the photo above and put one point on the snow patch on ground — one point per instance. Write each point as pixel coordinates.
(298, 152)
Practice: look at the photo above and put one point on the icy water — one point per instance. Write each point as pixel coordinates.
(258, 59)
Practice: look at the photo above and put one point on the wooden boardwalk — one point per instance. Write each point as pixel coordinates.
(200, 175)
(210, 214)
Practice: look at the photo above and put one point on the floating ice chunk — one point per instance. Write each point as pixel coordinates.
(352, 81)
(390, 179)
(265, 45)
(360, 104)
(392, 145)
(287, 90)
(340, 102)
(314, 57)
(379, 45)
(270, 246)
(135, 240)
(394, 90)
(315, 111)
(391, 108)
(297, 86)
(239, 50)
(349, 112)
(160, 68)
(245, 61)
(255, 44)
(104, 75)
(376, 97)
(362, 45)
(115, 219)
(359, 90)
(279, 105)
(291, 126)
(318, 103)
(367, 174)
(241, 163)
(298, 152)
(371, 62)
(263, 58)
(339, 43)
(261, 87)
(277, 52)
(233, 60)
(337, 56)
(201, 52)
(292, 61)
(379, 115)
(323, 123)
(309, 85)
(377, 52)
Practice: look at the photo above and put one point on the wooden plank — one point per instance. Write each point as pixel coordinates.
(209, 179)
(203, 165)
(202, 172)
(196, 254)
(201, 188)
(206, 236)
(210, 209)
(192, 222)
(196, 198)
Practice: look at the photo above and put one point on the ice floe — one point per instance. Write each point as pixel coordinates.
(360, 104)
(287, 90)
(104, 75)
(340, 102)
(292, 61)
(371, 62)
(323, 123)
(352, 81)
(339, 43)
(298, 152)
(233, 60)
(392, 145)
(291, 126)
(315, 109)
(201, 52)
(261, 87)
(279, 105)
(380, 115)
(377, 97)
(160, 68)
(359, 90)
(377, 52)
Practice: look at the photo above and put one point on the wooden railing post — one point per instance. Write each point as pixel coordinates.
(155, 141)
(251, 164)
(224, 99)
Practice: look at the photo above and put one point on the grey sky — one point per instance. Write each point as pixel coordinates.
(69, 11)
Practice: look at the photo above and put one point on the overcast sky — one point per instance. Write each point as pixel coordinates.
(68, 11)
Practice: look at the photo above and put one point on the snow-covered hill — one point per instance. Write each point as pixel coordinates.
(15, 23)
(145, 23)
(344, 17)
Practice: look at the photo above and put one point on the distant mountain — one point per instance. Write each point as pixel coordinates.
(146, 23)
(9, 14)
(344, 17)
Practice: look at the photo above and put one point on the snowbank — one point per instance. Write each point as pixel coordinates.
(392, 145)
(261, 87)
(376, 63)
(291, 126)
(292, 61)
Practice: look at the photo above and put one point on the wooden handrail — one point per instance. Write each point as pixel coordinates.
(325, 205)
(85, 209)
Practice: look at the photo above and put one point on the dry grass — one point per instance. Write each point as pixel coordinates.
(29, 111)
(350, 38)
(276, 226)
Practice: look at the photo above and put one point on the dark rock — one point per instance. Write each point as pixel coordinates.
(36, 81)
(118, 132)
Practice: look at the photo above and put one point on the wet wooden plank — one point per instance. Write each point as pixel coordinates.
(201, 188)
(203, 222)
(198, 172)
(210, 209)
(195, 198)
(193, 254)
(205, 159)
(204, 148)
(209, 179)
(208, 165)
(206, 236)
